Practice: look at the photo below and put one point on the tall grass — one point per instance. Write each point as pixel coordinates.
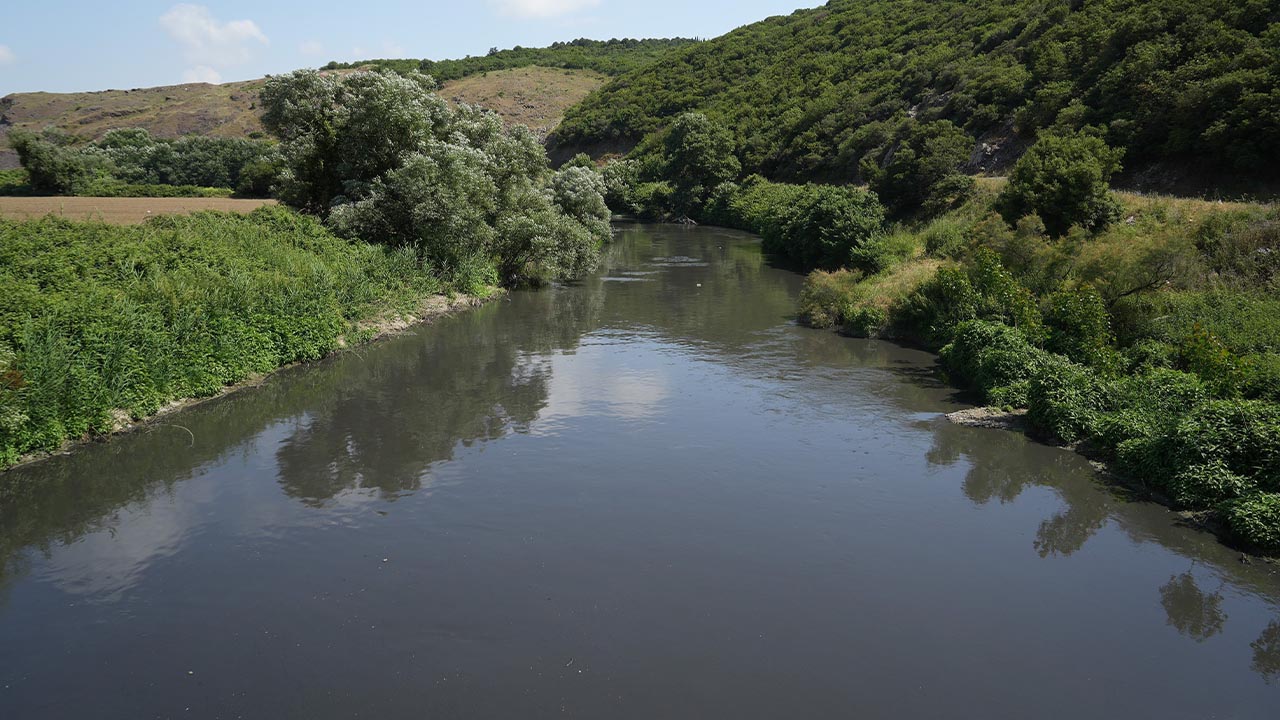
(98, 322)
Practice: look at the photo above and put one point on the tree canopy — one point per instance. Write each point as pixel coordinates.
(1195, 82)
(384, 159)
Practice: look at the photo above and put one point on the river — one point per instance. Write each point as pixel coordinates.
(646, 495)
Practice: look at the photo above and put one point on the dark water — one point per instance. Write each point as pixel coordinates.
(648, 496)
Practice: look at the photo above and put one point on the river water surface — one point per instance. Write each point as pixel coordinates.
(649, 495)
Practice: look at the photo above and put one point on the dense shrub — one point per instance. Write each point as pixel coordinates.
(803, 226)
(993, 359)
(52, 164)
(1064, 180)
(981, 290)
(621, 178)
(824, 299)
(1065, 400)
(1079, 326)
(1191, 82)
(699, 155)
(132, 163)
(97, 319)
(1244, 435)
(1256, 520)
(1206, 485)
(611, 57)
(1147, 404)
(917, 166)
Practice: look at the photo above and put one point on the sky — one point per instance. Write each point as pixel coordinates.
(78, 45)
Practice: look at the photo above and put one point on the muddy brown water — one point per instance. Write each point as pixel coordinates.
(647, 495)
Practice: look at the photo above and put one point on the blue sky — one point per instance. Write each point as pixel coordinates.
(75, 45)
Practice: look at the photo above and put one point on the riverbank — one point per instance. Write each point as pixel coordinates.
(1151, 342)
(1152, 339)
(103, 326)
(369, 332)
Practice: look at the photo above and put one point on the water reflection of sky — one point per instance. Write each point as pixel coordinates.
(604, 377)
(225, 497)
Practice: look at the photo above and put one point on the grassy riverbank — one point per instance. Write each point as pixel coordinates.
(1153, 344)
(100, 324)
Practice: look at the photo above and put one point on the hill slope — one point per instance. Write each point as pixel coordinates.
(1188, 84)
(532, 96)
(530, 86)
(608, 57)
(198, 108)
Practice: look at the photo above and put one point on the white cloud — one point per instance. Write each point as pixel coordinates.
(542, 8)
(311, 47)
(202, 74)
(209, 43)
(6, 55)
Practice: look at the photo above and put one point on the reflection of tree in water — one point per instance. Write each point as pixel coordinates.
(1004, 464)
(1067, 532)
(411, 403)
(1193, 612)
(1266, 652)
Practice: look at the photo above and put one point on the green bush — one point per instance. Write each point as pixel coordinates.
(1079, 326)
(865, 321)
(825, 298)
(1244, 322)
(1147, 404)
(917, 167)
(1065, 399)
(981, 290)
(1244, 435)
(1206, 485)
(993, 359)
(1261, 376)
(806, 226)
(1256, 520)
(52, 165)
(1064, 179)
(698, 154)
(454, 183)
(15, 183)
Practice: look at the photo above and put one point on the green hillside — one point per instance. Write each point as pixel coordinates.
(1186, 87)
(609, 57)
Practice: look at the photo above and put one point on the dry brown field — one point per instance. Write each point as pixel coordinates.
(118, 211)
(535, 97)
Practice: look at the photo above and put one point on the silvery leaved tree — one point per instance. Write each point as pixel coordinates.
(382, 158)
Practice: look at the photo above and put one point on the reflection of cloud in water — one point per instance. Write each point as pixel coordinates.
(592, 382)
(106, 563)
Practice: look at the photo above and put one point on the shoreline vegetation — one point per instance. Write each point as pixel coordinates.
(370, 331)
(1142, 331)
(382, 210)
